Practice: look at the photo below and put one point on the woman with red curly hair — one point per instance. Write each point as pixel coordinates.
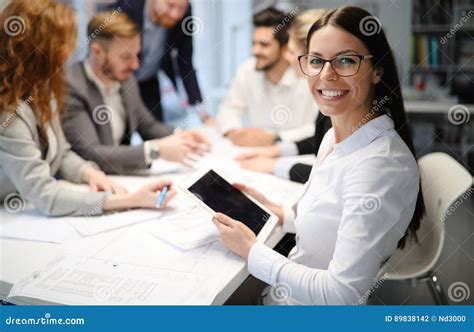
(37, 39)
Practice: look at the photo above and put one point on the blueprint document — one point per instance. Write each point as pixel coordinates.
(133, 267)
(79, 281)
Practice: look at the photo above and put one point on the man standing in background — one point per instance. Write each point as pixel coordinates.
(166, 29)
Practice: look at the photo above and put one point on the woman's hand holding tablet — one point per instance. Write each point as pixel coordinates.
(234, 235)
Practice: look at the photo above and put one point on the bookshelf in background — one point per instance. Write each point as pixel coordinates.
(442, 73)
(442, 49)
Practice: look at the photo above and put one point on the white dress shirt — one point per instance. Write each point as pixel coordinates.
(286, 108)
(357, 204)
(113, 100)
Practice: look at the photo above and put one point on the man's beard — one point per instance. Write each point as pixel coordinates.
(160, 19)
(106, 69)
(268, 66)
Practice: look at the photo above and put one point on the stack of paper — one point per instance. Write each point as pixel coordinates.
(93, 225)
(187, 231)
(189, 225)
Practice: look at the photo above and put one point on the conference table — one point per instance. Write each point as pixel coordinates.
(206, 274)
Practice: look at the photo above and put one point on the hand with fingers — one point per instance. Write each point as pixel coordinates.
(267, 151)
(198, 137)
(277, 209)
(259, 164)
(251, 137)
(183, 147)
(235, 235)
(98, 181)
(147, 197)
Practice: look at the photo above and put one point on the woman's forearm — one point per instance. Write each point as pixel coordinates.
(120, 202)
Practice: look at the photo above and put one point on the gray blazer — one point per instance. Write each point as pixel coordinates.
(92, 140)
(29, 170)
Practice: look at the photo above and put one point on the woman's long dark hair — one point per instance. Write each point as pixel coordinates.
(367, 28)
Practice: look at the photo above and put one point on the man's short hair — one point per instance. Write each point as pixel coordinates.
(276, 19)
(109, 24)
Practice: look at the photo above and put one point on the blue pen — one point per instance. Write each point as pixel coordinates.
(162, 196)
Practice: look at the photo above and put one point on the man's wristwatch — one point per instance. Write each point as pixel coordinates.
(154, 152)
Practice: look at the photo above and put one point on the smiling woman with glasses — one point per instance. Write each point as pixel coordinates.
(363, 198)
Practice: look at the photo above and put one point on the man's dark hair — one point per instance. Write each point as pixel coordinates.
(276, 19)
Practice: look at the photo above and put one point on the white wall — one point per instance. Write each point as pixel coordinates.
(223, 43)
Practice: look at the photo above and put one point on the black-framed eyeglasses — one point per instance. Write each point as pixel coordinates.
(343, 65)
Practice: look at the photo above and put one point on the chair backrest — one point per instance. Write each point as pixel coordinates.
(443, 181)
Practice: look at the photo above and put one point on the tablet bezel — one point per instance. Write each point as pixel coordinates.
(190, 180)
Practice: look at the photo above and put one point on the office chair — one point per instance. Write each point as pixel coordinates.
(443, 181)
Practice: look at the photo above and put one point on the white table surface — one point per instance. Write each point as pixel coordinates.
(19, 258)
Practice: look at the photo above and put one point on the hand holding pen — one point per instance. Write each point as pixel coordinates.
(155, 195)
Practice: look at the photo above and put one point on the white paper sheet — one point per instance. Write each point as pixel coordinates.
(141, 247)
(93, 225)
(78, 281)
(34, 226)
(188, 226)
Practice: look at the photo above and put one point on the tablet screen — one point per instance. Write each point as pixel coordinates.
(221, 196)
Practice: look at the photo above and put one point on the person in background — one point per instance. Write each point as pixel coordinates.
(363, 199)
(33, 150)
(104, 107)
(267, 91)
(265, 159)
(167, 27)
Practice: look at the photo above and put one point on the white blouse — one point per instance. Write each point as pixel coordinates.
(357, 204)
